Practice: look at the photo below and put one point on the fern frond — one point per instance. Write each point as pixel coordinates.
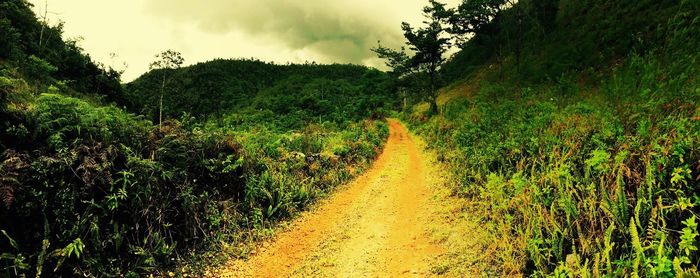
(637, 246)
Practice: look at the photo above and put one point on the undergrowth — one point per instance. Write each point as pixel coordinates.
(90, 190)
(593, 173)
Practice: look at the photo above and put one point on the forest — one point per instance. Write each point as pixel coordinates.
(571, 128)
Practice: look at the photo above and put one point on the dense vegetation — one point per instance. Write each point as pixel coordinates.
(36, 49)
(90, 189)
(254, 91)
(575, 125)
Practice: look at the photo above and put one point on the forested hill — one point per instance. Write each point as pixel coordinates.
(574, 126)
(224, 86)
(539, 41)
(39, 52)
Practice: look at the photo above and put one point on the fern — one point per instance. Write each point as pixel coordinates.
(651, 229)
(661, 265)
(608, 247)
(7, 191)
(74, 248)
(637, 246)
(622, 212)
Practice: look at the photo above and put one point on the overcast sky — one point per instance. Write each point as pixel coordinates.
(325, 31)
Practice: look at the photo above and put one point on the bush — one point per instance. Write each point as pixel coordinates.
(113, 194)
(37, 68)
(91, 190)
(580, 183)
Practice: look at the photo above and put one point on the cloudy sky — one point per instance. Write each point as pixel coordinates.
(324, 31)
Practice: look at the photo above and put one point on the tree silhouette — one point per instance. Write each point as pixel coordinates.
(429, 44)
(165, 62)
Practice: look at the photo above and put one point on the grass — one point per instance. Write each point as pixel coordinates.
(116, 194)
(593, 172)
(582, 185)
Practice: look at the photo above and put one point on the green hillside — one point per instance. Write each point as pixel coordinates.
(242, 88)
(35, 49)
(574, 126)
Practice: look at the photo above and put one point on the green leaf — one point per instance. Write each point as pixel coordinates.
(13, 243)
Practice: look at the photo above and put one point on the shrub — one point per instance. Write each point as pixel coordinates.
(113, 194)
(593, 184)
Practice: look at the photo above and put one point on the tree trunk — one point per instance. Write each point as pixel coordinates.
(160, 112)
(433, 94)
(405, 104)
(499, 61)
(46, 11)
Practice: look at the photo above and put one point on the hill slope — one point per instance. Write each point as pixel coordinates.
(578, 135)
(39, 52)
(247, 87)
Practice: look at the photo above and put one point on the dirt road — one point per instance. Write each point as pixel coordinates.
(383, 224)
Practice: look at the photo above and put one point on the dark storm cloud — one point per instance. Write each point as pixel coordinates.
(271, 30)
(339, 31)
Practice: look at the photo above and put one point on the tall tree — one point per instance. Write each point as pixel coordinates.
(166, 61)
(397, 60)
(472, 16)
(476, 18)
(429, 44)
(484, 18)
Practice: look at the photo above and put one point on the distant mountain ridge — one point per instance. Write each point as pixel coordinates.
(222, 85)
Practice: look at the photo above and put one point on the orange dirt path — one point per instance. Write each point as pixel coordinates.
(376, 226)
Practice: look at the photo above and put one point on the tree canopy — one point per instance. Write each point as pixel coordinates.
(22, 37)
(427, 44)
(165, 62)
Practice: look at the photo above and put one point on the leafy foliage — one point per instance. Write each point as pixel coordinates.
(587, 166)
(224, 87)
(113, 193)
(91, 190)
(39, 51)
(428, 45)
